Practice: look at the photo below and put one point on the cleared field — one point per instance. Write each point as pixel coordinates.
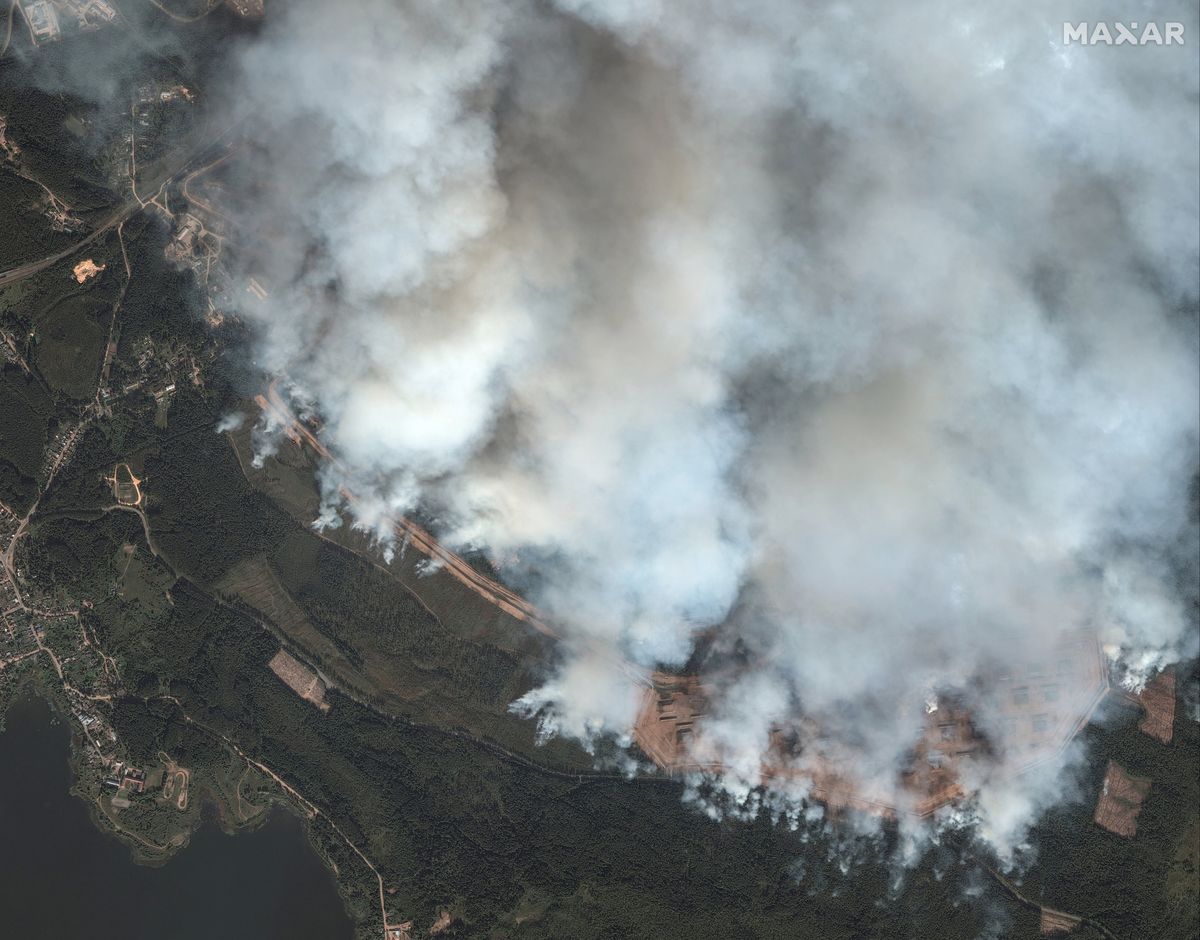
(288, 478)
(415, 643)
(1056, 923)
(1184, 873)
(299, 678)
(24, 411)
(70, 341)
(142, 580)
(370, 638)
(351, 660)
(1120, 801)
(253, 581)
(1158, 698)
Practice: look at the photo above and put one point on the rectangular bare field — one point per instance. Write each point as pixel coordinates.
(1057, 923)
(254, 582)
(1158, 698)
(299, 678)
(1120, 801)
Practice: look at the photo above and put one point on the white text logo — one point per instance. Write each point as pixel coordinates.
(1123, 34)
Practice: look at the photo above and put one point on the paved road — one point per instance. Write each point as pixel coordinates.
(124, 211)
(12, 275)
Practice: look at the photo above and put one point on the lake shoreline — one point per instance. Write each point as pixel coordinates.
(44, 807)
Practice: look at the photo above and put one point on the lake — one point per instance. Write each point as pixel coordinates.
(62, 877)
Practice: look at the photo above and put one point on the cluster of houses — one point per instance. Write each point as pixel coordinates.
(45, 18)
(126, 780)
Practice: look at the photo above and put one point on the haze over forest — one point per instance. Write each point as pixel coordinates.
(750, 317)
(847, 359)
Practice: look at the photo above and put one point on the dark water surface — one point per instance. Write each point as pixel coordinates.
(61, 877)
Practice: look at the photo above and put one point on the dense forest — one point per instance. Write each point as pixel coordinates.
(26, 413)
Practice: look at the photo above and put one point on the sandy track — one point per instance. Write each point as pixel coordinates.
(492, 591)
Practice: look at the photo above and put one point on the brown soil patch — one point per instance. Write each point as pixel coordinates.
(86, 269)
(1057, 923)
(1044, 704)
(1120, 801)
(667, 719)
(299, 678)
(444, 920)
(255, 582)
(1158, 698)
(669, 729)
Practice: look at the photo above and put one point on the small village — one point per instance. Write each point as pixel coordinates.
(44, 635)
(37, 630)
(47, 19)
(51, 20)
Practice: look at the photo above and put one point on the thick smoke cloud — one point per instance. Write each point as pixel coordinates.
(867, 334)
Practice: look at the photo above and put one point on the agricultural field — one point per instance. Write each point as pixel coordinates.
(70, 343)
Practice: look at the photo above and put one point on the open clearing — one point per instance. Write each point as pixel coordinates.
(1120, 801)
(254, 582)
(70, 341)
(299, 678)
(1158, 698)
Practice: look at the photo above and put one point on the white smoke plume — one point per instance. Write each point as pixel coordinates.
(864, 332)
